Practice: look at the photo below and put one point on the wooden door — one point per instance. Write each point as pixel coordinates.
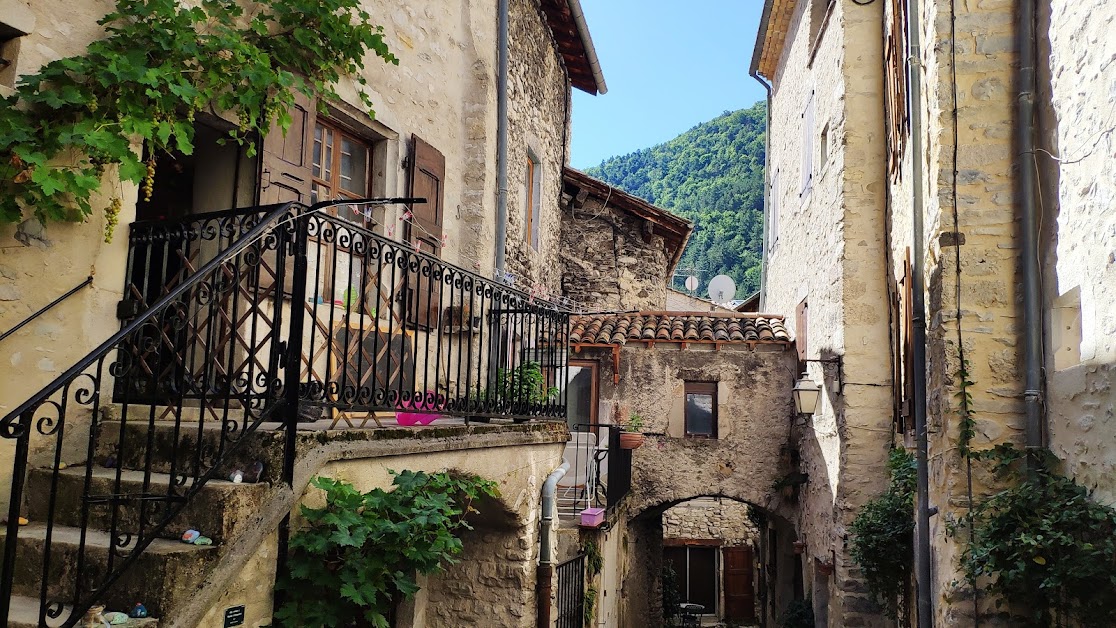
(740, 597)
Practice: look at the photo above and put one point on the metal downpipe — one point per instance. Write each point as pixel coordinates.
(918, 323)
(1029, 249)
(544, 575)
(502, 138)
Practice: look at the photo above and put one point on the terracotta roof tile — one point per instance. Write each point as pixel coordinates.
(619, 328)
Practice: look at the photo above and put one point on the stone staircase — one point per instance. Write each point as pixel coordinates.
(168, 571)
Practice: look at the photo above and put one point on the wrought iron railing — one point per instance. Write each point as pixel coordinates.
(600, 472)
(282, 313)
(571, 593)
(63, 423)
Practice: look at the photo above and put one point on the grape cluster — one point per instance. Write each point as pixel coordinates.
(112, 216)
(149, 180)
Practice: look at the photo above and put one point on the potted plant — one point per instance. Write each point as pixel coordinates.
(630, 435)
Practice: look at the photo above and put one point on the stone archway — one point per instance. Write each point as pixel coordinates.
(641, 562)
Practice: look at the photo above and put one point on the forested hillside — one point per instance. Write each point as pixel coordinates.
(712, 175)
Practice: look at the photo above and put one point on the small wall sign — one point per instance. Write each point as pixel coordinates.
(234, 616)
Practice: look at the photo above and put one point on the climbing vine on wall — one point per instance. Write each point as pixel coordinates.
(883, 536)
(361, 552)
(1046, 548)
(1042, 545)
(160, 63)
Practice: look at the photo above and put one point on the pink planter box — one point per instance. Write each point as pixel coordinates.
(592, 517)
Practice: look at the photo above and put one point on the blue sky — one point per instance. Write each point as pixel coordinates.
(669, 65)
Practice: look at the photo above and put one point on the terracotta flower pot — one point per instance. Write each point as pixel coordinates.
(630, 440)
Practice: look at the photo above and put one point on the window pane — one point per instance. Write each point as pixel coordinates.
(354, 167)
(699, 413)
(327, 158)
(318, 151)
(580, 396)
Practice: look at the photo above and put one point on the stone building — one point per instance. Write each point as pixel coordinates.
(618, 251)
(842, 175)
(713, 393)
(434, 135)
(825, 262)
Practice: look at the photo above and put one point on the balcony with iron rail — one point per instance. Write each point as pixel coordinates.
(599, 478)
(285, 319)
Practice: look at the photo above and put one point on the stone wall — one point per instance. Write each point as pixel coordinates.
(830, 252)
(443, 91)
(1077, 86)
(724, 520)
(607, 266)
(538, 121)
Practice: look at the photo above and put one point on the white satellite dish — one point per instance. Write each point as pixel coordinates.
(722, 289)
(691, 283)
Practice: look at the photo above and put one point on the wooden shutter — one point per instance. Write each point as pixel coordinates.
(285, 158)
(801, 322)
(426, 175)
(285, 176)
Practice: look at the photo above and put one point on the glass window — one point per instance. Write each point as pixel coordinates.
(701, 409)
(581, 393)
(340, 165)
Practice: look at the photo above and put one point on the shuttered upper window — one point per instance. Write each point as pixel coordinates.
(340, 165)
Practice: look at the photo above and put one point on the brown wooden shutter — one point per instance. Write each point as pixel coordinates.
(285, 158)
(285, 175)
(426, 176)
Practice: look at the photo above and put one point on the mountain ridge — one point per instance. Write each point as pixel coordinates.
(712, 175)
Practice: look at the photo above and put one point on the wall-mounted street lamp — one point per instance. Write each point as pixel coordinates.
(806, 392)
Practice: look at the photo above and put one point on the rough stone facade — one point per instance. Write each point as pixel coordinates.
(971, 209)
(743, 463)
(825, 171)
(615, 259)
(711, 518)
(1077, 86)
(606, 264)
(443, 91)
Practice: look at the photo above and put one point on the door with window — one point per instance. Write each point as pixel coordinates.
(696, 569)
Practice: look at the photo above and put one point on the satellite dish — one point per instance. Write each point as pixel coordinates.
(722, 289)
(691, 283)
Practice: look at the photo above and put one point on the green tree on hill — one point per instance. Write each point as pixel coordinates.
(712, 175)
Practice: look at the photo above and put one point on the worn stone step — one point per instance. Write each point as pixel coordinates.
(181, 447)
(165, 573)
(216, 510)
(24, 613)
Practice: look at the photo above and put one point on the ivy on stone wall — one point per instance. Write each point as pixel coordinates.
(1047, 550)
(883, 536)
(360, 553)
(1043, 546)
(161, 63)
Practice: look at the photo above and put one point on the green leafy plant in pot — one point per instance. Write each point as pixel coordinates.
(631, 436)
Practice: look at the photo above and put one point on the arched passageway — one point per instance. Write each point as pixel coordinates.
(773, 565)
